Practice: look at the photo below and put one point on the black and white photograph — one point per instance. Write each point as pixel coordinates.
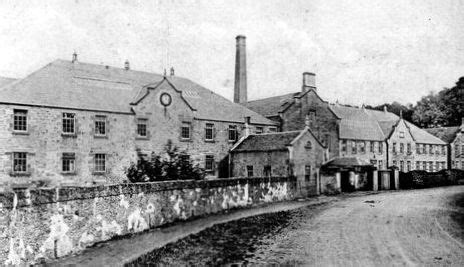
(231, 133)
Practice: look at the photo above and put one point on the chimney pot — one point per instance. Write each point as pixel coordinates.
(309, 81)
(127, 65)
(240, 85)
(172, 71)
(74, 57)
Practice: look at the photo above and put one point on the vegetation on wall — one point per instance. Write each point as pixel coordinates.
(170, 165)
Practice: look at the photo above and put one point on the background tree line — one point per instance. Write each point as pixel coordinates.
(445, 108)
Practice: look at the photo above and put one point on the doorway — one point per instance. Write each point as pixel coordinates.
(345, 182)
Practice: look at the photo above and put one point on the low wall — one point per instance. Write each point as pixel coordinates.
(41, 224)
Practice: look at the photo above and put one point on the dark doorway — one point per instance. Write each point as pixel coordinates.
(345, 182)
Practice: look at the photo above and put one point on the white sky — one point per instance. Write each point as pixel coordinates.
(362, 51)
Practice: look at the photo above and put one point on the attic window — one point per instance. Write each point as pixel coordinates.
(308, 145)
(401, 134)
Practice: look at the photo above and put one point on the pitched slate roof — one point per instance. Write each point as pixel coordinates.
(5, 80)
(447, 134)
(103, 88)
(266, 142)
(347, 162)
(273, 105)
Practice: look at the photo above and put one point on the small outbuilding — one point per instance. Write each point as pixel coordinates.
(293, 153)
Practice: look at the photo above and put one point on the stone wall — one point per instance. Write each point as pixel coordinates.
(41, 224)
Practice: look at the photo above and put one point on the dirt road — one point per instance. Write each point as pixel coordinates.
(417, 227)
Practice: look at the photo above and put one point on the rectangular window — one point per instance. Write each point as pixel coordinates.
(418, 165)
(462, 150)
(267, 171)
(380, 164)
(100, 162)
(394, 148)
(362, 147)
(456, 150)
(68, 162)
(185, 130)
(401, 134)
(401, 148)
(408, 148)
(430, 166)
(418, 148)
(307, 173)
(424, 150)
(250, 171)
(437, 166)
(100, 125)
(373, 162)
(19, 162)
(142, 127)
(401, 165)
(408, 166)
(272, 129)
(232, 133)
(372, 146)
(209, 163)
(380, 147)
(430, 149)
(259, 130)
(20, 120)
(209, 131)
(424, 165)
(354, 147)
(69, 120)
(343, 144)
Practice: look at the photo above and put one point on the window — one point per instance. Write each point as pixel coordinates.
(354, 147)
(307, 173)
(69, 123)
(437, 166)
(394, 148)
(308, 145)
(372, 146)
(20, 120)
(408, 148)
(424, 150)
(418, 165)
(462, 149)
(209, 131)
(68, 162)
(249, 171)
(209, 163)
(267, 171)
(443, 150)
(394, 163)
(380, 147)
(312, 116)
(456, 150)
(401, 165)
(343, 144)
(401, 148)
(185, 130)
(232, 133)
(418, 148)
(430, 149)
(100, 162)
(100, 125)
(142, 127)
(380, 164)
(430, 166)
(401, 134)
(259, 130)
(272, 129)
(373, 162)
(408, 166)
(362, 147)
(424, 165)
(19, 162)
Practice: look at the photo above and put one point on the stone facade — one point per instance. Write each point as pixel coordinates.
(457, 149)
(42, 224)
(372, 151)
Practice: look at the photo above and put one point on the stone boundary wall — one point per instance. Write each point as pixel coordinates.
(48, 223)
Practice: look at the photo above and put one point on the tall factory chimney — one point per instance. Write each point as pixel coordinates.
(240, 85)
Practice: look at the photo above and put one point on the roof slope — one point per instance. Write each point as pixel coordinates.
(97, 87)
(266, 142)
(422, 136)
(271, 106)
(447, 134)
(5, 80)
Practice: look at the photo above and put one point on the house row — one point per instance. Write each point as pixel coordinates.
(454, 137)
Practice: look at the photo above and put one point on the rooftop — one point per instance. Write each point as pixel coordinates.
(266, 142)
(447, 134)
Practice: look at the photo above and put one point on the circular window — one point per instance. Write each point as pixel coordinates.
(165, 99)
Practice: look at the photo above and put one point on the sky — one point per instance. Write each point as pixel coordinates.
(362, 51)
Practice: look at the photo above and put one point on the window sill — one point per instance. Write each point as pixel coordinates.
(185, 139)
(100, 136)
(72, 135)
(20, 174)
(141, 138)
(20, 132)
(210, 141)
(69, 173)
